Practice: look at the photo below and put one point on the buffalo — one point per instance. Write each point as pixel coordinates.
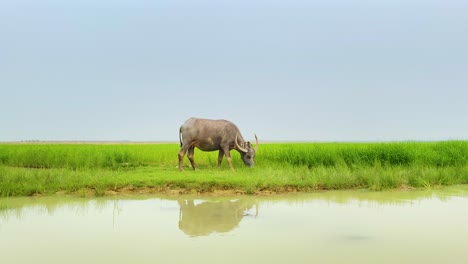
(212, 135)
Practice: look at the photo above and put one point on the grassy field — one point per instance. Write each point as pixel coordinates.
(29, 169)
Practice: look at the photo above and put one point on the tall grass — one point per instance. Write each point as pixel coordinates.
(85, 156)
(27, 169)
(447, 153)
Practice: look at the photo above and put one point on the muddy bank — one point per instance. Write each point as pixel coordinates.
(132, 190)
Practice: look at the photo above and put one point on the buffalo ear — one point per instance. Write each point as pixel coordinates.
(249, 144)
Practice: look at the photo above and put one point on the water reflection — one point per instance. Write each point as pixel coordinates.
(197, 216)
(200, 215)
(19, 207)
(209, 217)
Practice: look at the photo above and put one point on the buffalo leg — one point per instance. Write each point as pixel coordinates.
(228, 157)
(182, 152)
(220, 157)
(191, 151)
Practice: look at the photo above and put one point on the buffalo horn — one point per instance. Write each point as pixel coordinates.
(239, 147)
(256, 144)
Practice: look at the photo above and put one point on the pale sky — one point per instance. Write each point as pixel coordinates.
(329, 70)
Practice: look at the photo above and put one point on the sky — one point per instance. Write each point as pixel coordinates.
(328, 70)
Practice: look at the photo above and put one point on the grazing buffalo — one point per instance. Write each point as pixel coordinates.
(211, 135)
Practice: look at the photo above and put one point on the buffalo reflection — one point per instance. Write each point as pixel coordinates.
(210, 217)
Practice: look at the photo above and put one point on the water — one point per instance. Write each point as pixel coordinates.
(324, 227)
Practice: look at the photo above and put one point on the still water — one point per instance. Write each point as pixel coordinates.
(323, 227)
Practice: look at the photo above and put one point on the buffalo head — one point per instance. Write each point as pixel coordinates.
(248, 152)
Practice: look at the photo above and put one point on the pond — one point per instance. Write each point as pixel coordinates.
(324, 227)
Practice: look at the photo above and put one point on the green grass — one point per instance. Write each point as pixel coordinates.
(28, 169)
